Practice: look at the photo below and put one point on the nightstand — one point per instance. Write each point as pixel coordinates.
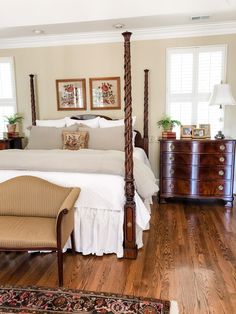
(197, 169)
(11, 143)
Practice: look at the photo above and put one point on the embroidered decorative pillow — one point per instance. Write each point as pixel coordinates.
(75, 140)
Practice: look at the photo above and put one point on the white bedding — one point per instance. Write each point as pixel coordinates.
(140, 154)
(99, 208)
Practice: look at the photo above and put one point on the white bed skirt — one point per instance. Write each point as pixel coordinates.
(100, 232)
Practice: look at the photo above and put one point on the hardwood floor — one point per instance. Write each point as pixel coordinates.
(189, 255)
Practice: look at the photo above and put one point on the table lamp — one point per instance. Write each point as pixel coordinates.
(221, 96)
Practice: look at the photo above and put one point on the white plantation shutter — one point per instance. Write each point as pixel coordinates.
(191, 76)
(7, 91)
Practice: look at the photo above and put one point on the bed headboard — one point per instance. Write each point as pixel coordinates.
(89, 116)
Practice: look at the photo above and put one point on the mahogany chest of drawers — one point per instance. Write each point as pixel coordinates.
(197, 169)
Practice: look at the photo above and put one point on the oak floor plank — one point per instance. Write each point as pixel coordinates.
(189, 255)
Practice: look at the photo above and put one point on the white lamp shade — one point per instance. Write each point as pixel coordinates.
(222, 95)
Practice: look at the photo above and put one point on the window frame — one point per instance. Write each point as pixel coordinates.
(10, 102)
(195, 50)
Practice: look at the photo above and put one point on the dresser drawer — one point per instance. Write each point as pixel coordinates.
(196, 173)
(197, 159)
(215, 188)
(177, 186)
(195, 187)
(198, 146)
(3, 145)
(176, 146)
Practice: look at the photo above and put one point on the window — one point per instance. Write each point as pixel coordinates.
(191, 76)
(7, 90)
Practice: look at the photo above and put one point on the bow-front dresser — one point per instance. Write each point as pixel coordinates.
(197, 169)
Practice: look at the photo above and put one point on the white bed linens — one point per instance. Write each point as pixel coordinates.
(99, 211)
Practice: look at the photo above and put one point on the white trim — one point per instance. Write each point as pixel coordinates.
(174, 309)
(177, 31)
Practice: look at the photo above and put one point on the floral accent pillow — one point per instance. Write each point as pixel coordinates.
(75, 140)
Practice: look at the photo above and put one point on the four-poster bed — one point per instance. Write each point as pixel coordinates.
(129, 221)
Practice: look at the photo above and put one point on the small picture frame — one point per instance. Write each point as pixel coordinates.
(71, 94)
(105, 93)
(207, 128)
(199, 133)
(186, 130)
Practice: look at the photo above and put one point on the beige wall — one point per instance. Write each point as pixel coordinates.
(99, 60)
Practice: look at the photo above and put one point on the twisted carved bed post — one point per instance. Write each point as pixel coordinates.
(32, 94)
(130, 247)
(145, 124)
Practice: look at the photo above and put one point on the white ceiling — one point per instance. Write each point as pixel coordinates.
(18, 18)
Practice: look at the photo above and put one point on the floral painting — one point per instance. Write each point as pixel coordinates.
(105, 93)
(71, 94)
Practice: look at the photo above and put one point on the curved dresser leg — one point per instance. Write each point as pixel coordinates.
(162, 200)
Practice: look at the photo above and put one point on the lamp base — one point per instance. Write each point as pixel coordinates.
(219, 136)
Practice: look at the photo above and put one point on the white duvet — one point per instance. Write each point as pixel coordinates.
(99, 209)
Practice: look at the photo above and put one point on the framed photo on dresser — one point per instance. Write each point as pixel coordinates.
(199, 133)
(207, 128)
(186, 130)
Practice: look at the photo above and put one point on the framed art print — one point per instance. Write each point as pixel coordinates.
(71, 94)
(105, 93)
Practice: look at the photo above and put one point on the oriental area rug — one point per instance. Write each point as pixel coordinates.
(35, 300)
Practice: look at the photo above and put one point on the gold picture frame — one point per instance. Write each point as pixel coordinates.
(207, 128)
(186, 130)
(71, 94)
(105, 93)
(199, 133)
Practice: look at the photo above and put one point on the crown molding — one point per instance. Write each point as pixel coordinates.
(177, 31)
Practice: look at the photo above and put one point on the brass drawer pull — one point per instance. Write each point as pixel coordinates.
(221, 172)
(222, 147)
(172, 146)
(221, 159)
(129, 224)
(172, 171)
(220, 188)
(172, 158)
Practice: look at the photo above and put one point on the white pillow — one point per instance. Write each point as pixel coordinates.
(103, 123)
(59, 123)
(92, 123)
(133, 137)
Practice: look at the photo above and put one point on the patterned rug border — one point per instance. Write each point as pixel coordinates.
(166, 303)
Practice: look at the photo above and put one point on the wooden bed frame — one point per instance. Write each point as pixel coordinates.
(130, 247)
